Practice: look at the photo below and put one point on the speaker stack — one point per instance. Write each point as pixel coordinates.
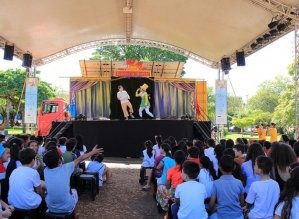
(27, 60)
(240, 56)
(225, 64)
(8, 52)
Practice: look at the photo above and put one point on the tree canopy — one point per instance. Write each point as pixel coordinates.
(268, 94)
(11, 86)
(140, 53)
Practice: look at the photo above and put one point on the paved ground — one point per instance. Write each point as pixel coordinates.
(123, 198)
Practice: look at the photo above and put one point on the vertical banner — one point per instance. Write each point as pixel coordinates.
(31, 100)
(221, 102)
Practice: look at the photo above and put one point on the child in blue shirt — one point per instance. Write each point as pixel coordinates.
(62, 198)
(228, 191)
(96, 165)
(263, 194)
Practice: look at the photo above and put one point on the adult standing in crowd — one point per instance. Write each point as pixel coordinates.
(272, 131)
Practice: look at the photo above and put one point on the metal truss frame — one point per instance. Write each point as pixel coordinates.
(273, 6)
(296, 64)
(128, 23)
(284, 13)
(139, 42)
(17, 52)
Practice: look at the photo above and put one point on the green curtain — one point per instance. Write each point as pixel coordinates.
(94, 101)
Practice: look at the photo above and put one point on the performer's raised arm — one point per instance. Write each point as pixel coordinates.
(137, 94)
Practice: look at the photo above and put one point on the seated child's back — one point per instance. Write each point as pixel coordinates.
(22, 182)
(228, 190)
(190, 195)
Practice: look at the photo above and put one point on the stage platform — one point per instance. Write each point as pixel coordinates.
(121, 138)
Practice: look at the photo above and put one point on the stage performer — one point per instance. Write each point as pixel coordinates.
(124, 98)
(145, 104)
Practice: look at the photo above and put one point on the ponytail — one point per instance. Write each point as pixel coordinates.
(208, 164)
(290, 191)
(149, 148)
(179, 157)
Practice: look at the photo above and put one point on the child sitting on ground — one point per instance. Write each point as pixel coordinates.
(190, 195)
(174, 178)
(193, 154)
(239, 151)
(288, 203)
(105, 175)
(228, 191)
(25, 185)
(38, 158)
(263, 194)
(148, 160)
(68, 156)
(62, 198)
(267, 146)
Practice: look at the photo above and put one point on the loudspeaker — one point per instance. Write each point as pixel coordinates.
(240, 58)
(27, 60)
(8, 52)
(225, 64)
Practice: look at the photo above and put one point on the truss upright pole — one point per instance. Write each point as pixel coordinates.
(296, 64)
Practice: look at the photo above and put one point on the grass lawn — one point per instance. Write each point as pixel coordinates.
(15, 130)
(235, 135)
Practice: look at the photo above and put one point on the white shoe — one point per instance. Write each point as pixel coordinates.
(132, 116)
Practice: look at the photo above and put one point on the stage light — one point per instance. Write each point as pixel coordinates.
(81, 117)
(267, 36)
(186, 117)
(281, 27)
(253, 46)
(272, 24)
(259, 40)
(273, 32)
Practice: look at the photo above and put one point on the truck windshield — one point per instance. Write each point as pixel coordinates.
(50, 108)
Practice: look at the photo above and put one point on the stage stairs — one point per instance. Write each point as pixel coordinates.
(59, 128)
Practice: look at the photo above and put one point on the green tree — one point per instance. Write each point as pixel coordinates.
(268, 94)
(140, 53)
(11, 87)
(242, 122)
(60, 92)
(211, 104)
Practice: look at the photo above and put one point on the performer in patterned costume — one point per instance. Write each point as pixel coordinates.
(145, 104)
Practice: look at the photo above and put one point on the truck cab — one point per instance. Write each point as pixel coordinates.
(51, 110)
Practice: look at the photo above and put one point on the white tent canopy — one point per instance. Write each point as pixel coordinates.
(202, 30)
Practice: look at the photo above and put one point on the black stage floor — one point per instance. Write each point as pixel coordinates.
(121, 138)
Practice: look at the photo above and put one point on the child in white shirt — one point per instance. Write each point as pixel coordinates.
(288, 203)
(148, 159)
(263, 194)
(190, 195)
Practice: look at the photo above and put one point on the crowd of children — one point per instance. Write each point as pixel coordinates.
(228, 180)
(31, 169)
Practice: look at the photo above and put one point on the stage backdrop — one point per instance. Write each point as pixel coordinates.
(95, 100)
(174, 99)
(130, 85)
